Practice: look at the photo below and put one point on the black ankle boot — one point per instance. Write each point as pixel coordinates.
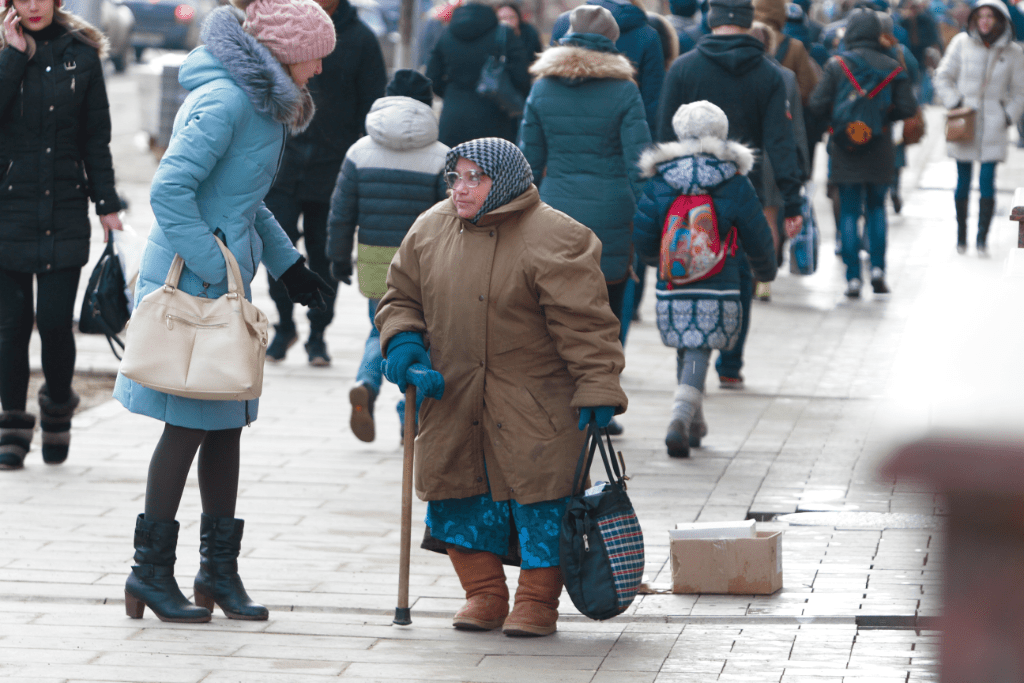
(151, 583)
(986, 207)
(961, 225)
(15, 438)
(55, 421)
(220, 539)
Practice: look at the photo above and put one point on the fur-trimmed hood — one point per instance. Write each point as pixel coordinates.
(230, 51)
(401, 123)
(724, 150)
(578, 64)
(77, 28)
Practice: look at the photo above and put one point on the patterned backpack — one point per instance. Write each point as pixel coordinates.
(691, 248)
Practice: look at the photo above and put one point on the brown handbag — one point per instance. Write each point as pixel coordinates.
(913, 128)
(960, 124)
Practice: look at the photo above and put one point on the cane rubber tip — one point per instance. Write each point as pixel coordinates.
(403, 616)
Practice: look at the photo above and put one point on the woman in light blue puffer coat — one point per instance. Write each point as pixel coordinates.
(247, 96)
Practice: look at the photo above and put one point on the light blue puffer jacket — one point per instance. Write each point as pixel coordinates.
(224, 152)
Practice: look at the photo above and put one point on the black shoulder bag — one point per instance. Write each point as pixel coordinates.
(495, 84)
(105, 305)
(601, 546)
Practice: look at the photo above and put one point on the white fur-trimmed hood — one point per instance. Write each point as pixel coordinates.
(725, 150)
(568, 61)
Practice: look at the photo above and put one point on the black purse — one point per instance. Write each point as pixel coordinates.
(105, 304)
(496, 85)
(601, 545)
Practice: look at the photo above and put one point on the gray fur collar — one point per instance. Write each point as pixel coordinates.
(78, 28)
(568, 61)
(726, 150)
(252, 66)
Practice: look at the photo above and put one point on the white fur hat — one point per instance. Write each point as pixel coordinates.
(700, 120)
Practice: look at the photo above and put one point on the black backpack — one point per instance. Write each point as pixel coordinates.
(859, 116)
(105, 304)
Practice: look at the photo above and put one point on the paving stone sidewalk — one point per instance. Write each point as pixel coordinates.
(322, 527)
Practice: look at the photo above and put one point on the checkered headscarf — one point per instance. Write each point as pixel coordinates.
(502, 161)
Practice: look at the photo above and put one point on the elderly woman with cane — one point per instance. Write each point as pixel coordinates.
(248, 93)
(502, 298)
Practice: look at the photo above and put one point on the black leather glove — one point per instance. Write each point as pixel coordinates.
(342, 271)
(305, 287)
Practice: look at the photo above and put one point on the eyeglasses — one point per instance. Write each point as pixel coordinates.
(471, 179)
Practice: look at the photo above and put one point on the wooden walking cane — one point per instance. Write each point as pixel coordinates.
(403, 615)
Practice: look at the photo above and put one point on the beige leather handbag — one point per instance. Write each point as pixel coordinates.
(210, 349)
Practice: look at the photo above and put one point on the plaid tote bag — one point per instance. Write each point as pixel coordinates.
(601, 545)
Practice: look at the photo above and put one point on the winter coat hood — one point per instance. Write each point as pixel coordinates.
(696, 163)
(771, 12)
(580, 64)
(78, 28)
(469, 22)
(401, 123)
(863, 30)
(232, 53)
(996, 5)
(627, 15)
(737, 54)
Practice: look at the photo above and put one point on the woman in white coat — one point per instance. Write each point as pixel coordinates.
(983, 68)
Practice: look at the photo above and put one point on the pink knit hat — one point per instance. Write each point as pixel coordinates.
(294, 31)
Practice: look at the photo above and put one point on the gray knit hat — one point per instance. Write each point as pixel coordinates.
(502, 161)
(731, 13)
(594, 19)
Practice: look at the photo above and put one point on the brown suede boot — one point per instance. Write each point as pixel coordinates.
(536, 608)
(483, 577)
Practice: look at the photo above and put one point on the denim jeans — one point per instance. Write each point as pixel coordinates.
(730, 362)
(986, 179)
(370, 371)
(850, 198)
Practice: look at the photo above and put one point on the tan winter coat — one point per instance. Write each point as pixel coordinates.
(515, 313)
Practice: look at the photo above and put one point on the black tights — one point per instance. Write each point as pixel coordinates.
(172, 459)
(53, 316)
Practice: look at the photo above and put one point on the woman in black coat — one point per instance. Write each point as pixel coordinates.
(454, 68)
(54, 157)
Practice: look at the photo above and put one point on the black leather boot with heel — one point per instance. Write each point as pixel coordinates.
(986, 207)
(220, 540)
(151, 583)
(961, 225)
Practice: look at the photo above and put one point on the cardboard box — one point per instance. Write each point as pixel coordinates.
(741, 566)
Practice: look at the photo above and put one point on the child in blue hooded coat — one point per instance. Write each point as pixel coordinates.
(702, 315)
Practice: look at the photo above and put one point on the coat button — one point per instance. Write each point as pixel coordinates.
(479, 479)
(481, 297)
(78, 187)
(499, 425)
(47, 69)
(476, 422)
(48, 266)
(47, 232)
(481, 363)
(492, 233)
(47, 192)
(47, 150)
(51, 106)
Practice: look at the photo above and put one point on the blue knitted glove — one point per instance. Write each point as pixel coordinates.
(430, 383)
(603, 415)
(405, 350)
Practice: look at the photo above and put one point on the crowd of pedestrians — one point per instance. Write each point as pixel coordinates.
(681, 142)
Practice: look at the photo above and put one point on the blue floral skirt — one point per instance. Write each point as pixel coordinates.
(699, 323)
(479, 523)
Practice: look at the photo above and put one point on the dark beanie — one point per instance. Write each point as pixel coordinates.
(410, 83)
(683, 8)
(731, 13)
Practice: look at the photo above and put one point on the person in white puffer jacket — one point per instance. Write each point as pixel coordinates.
(387, 180)
(983, 68)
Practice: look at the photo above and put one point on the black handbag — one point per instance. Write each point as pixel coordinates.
(601, 545)
(496, 85)
(105, 304)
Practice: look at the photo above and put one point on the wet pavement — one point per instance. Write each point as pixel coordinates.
(831, 385)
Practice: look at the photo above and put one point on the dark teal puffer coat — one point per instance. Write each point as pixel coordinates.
(583, 131)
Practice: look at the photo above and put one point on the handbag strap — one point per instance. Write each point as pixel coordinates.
(502, 38)
(234, 273)
(586, 459)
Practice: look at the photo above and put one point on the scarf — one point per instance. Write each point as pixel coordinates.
(502, 161)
